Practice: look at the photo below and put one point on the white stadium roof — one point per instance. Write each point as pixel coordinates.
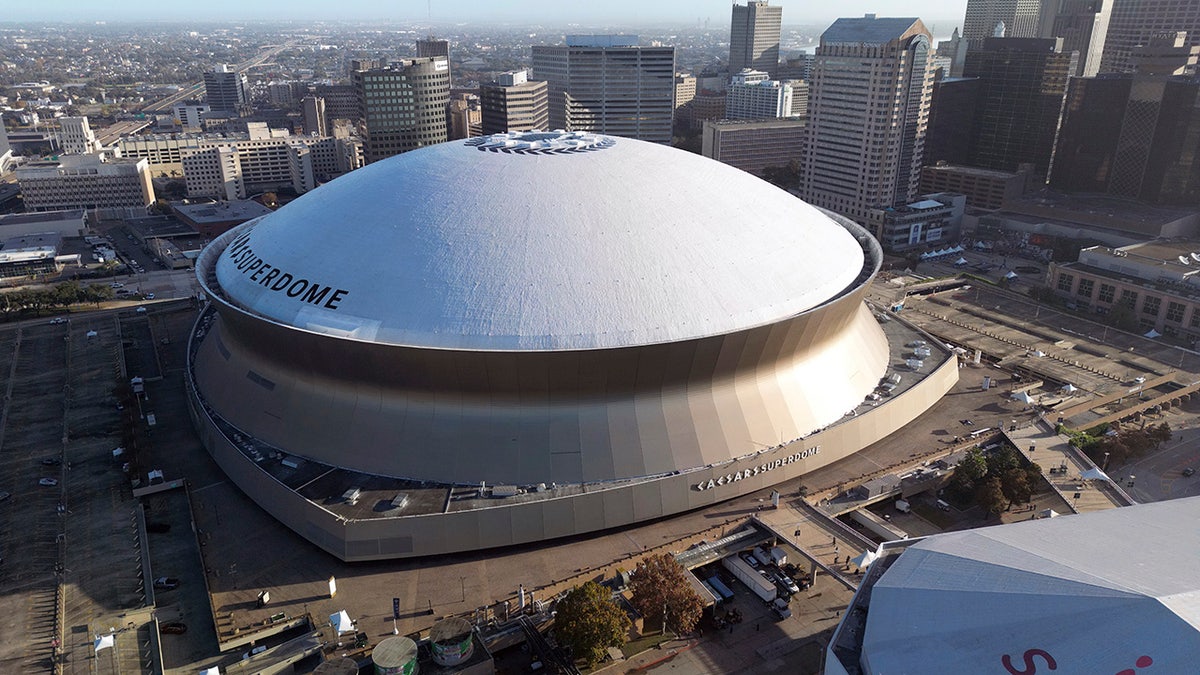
(1113, 592)
(532, 243)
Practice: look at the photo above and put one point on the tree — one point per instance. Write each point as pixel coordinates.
(990, 495)
(660, 588)
(588, 621)
(1015, 484)
(968, 472)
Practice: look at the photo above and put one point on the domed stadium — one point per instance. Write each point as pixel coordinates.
(532, 335)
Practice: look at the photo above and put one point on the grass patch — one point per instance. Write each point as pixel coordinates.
(635, 647)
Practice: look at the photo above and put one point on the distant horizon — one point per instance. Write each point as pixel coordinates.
(464, 13)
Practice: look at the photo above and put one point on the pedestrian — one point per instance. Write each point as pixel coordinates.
(756, 627)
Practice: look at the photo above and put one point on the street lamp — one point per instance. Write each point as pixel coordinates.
(1105, 467)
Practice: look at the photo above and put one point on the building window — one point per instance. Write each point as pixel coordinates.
(1175, 311)
(1129, 297)
(1086, 286)
(1151, 305)
(1065, 281)
(1107, 293)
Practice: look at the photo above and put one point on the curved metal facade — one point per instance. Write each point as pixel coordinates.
(521, 418)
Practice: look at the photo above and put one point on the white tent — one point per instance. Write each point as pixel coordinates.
(104, 641)
(1010, 275)
(864, 559)
(1093, 474)
(1048, 513)
(211, 671)
(1068, 389)
(1099, 593)
(341, 621)
(1023, 397)
(1152, 334)
(960, 261)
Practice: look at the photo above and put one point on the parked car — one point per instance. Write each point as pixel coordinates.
(173, 628)
(140, 310)
(51, 461)
(149, 296)
(117, 284)
(57, 320)
(158, 528)
(166, 583)
(1189, 472)
(48, 482)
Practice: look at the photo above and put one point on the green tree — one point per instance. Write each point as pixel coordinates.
(1015, 485)
(588, 622)
(968, 472)
(990, 495)
(660, 589)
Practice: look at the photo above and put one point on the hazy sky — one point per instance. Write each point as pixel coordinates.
(466, 11)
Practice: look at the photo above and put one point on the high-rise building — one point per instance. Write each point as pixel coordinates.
(341, 101)
(867, 111)
(404, 105)
(951, 120)
(753, 146)
(432, 47)
(608, 84)
(464, 118)
(954, 51)
(5, 148)
(1083, 27)
(685, 89)
(85, 181)
(1020, 18)
(227, 90)
(752, 96)
(1022, 82)
(313, 108)
(1135, 135)
(75, 136)
(754, 37)
(190, 115)
(1134, 22)
(513, 103)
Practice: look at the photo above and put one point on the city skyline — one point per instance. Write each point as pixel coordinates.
(623, 12)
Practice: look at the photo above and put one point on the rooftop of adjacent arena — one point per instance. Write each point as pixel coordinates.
(328, 487)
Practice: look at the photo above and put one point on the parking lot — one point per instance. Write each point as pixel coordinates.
(72, 551)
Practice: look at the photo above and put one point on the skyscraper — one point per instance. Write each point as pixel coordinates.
(867, 111)
(432, 47)
(1022, 82)
(1021, 18)
(1134, 22)
(752, 96)
(227, 90)
(513, 103)
(404, 105)
(754, 37)
(608, 84)
(1135, 135)
(1082, 25)
(75, 136)
(313, 108)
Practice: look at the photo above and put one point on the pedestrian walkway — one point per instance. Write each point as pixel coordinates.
(822, 540)
(1064, 467)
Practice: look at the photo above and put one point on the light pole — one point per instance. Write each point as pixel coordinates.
(1105, 467)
